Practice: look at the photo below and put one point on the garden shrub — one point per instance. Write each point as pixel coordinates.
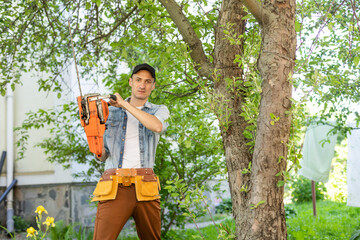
(301, 190)
(20, 224)
(60, 231)
(71, 231)
(290, 211)
(225, 206)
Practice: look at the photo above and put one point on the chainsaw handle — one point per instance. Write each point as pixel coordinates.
(113, 97)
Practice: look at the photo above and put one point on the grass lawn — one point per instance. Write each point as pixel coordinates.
(334, 221)
(207, 233)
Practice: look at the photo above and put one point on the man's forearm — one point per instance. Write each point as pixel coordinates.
(149, 121)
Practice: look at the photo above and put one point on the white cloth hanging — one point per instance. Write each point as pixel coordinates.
(353, 169)
(318, 151)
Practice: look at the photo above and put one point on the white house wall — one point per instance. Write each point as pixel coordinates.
(33, 169)
(27, 98)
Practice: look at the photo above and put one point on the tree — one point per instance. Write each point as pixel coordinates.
(258, 210)
(222, 54)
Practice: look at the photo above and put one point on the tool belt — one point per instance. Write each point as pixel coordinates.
(147, 184)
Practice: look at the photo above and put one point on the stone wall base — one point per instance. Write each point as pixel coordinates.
(69, 202)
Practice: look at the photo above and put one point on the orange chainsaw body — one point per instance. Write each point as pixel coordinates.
(93, 115)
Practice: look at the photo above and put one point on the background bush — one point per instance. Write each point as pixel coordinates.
(301, 190)
(225, 206)
(20, 224)
(290, 211)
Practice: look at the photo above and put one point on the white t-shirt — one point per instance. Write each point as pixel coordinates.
(131, 158)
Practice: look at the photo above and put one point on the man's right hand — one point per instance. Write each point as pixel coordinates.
(119, 101)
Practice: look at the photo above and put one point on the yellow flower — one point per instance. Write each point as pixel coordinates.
(31, 232)
(49, 221)
(40, 209)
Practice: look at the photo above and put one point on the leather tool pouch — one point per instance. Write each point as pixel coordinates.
(105, 190)
(147, 187)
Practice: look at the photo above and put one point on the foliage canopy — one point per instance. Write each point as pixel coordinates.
(35, 38)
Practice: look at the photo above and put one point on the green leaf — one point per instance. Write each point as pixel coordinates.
(247, 134)
(330, 26)
(297, 26)
(253, 206)
(115, 45)
(280, 183)
(187, 143)
(280, 159)
(356, 61)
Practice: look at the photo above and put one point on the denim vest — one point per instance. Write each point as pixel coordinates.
(114, 137)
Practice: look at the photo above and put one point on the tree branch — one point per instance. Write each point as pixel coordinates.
(17, 42)
(192, 91)
(354, 13)
(202, 64)
(114, 28)
(48, 18)
(255, 9)
(325, 22)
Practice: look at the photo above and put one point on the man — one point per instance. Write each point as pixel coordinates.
(129, 186)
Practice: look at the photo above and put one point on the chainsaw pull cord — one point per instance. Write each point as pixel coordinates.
(73, 50)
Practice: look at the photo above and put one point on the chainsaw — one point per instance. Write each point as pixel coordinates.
(93, 111)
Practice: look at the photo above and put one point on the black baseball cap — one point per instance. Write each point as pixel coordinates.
(144, 66)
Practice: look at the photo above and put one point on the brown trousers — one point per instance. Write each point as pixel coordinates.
(112, 215)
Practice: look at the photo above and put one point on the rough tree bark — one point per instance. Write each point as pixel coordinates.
(276, 65)
(228, 75)
(258, 212)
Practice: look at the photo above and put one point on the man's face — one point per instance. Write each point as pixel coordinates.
(142, 83)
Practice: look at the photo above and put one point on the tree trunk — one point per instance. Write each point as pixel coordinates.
(276, 63)
(229, 100)
(258, 210)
